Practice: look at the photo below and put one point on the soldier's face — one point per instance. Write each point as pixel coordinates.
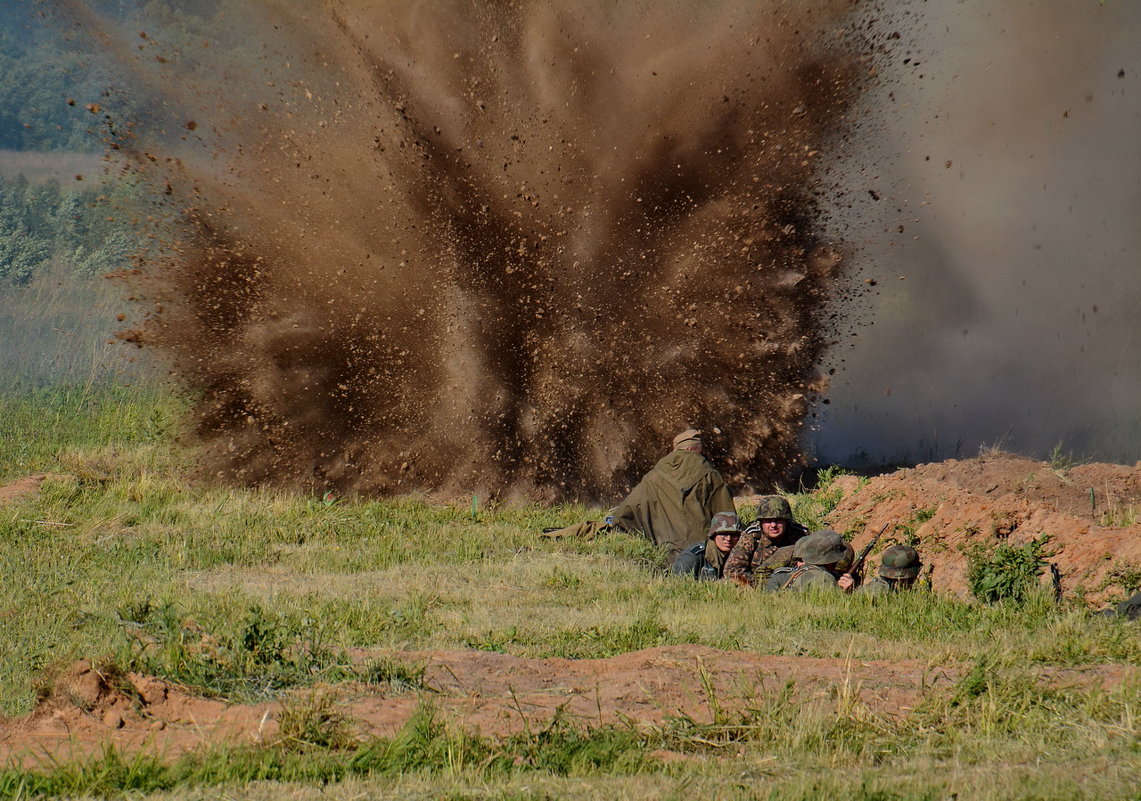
(773, 527)
(726, 541)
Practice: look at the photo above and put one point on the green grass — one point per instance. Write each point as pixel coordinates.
(305, 753)
(251, 594)
(86, 428)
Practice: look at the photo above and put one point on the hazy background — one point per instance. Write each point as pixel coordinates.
(1007, 310)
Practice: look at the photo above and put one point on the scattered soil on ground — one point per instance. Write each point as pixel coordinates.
(10, 493)
(1089, 512)
(495, 694)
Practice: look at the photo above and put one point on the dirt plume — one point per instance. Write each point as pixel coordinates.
(496, 248)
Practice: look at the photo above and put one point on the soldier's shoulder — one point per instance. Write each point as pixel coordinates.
(876, 586)
(812, 577)
(689, 560)
(779, 578)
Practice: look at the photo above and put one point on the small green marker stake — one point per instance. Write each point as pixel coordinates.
(474, 506)
(1092, 500)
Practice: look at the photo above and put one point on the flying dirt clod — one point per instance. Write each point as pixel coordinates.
(498, 248)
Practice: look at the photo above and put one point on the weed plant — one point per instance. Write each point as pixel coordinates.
(1006, 572)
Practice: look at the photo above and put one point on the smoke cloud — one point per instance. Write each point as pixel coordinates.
(512, 249)
(1001, 140)
(495, 247)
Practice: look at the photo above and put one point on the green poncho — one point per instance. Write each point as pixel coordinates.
(674, 502)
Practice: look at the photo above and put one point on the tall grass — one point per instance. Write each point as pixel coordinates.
(248, 594)
(58, 330)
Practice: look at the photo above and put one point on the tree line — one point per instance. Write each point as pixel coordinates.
(52, 74)
(43, 225)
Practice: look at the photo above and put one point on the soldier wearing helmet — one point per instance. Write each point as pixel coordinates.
(824, 555)
(705, 561)
(899, 568)
(766, 544)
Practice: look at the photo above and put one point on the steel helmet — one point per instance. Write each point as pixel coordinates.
(774, 507)
(823, 548)
(900, 562)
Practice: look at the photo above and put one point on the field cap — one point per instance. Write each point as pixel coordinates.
(687, 437)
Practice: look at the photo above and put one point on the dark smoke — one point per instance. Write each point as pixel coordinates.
(508, 248)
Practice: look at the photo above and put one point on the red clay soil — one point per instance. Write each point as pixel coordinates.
(949, 506)
(491, 693)
(22, 488)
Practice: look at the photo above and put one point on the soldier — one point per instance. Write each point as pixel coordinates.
(899, 568)
(672, 504)
(780, 576)
(766, 544)
(824, 553)
(705, 561)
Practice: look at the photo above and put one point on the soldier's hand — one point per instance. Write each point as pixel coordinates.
(846, 582)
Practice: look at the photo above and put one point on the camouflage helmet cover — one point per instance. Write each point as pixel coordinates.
(774, 507)
(823, 548)
(900, 562)
(723, 523)
(798, 549)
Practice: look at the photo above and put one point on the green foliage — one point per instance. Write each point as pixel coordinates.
(1060, 460)
(84, 229)
(44, 429)
(811, 508)
(266, 653)
(1006, 572)
(392, 673)
(1125, 574)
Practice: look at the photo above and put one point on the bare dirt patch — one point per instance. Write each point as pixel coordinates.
(491, 693)
(946, 507)
(22, 488)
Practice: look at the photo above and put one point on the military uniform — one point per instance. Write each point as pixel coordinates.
(673, 503)
(821, 551)
(755, 556)
(810, 577)
(702, 561)
(779, 578)
(878, 586)
(899, 568)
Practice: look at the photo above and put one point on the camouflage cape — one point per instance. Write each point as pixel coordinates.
(674, 502)
(755, 557)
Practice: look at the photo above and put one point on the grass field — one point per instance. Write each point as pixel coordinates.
(125, 542)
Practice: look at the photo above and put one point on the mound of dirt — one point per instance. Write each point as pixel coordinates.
(85, 707)
(1088, 512)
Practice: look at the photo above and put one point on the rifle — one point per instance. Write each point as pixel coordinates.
(862, 556)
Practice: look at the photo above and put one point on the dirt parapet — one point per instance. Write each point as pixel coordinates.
(944, 508)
